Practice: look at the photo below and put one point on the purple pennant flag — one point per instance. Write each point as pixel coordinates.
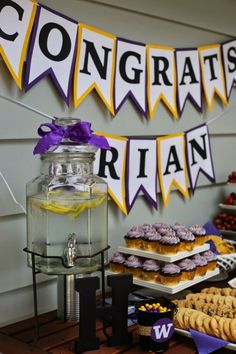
(141, 172)
(130, 74)
(206, 344)
(188, 78)
(52, 50)
(199, 156)
(211, 230)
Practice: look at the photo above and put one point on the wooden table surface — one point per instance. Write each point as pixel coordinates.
(57, 336)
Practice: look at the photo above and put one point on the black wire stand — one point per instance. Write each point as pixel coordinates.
(36, 271)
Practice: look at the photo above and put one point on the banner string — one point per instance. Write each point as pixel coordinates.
(27, 107)
(53, 117)
(12, 194)
(219, 116)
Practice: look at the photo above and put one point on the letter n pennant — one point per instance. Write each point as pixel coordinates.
(142, 171)
(172, 166)
(110, 165)
(199, 155)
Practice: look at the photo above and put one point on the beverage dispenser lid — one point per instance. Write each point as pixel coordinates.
(68, 130)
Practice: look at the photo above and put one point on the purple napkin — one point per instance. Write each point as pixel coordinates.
(206, 344)
(212, 246)
(211, 229)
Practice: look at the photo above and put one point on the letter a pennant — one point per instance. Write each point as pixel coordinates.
(172, 166)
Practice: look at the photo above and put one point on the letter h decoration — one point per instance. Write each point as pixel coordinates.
(117, 312)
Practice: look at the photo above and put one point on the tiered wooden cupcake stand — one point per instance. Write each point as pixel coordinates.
(169, 259)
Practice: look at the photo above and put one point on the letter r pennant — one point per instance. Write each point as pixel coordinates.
(110, 165)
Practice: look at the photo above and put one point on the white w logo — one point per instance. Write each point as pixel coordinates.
(162, 331)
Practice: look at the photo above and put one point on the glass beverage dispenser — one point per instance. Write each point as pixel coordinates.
(67, 204)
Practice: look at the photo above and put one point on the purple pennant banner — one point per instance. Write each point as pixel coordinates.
(199, 157)
(188, 74)
(141, 171)
(130, 74)
(228, 56)
(52, 50)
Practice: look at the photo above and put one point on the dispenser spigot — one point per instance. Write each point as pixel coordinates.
(70, 252)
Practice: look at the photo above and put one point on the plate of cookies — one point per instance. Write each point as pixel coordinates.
(212, 312)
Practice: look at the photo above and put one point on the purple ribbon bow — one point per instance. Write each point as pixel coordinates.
(80, 133)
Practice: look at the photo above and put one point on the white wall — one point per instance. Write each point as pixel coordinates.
(179, 23)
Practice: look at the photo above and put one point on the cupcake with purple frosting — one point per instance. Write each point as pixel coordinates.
(170, 232)
(157, 225)
(147, 228)
(178, 226)
(164, 229)
(201, 264)
(170, 274)
(133, 264)
(133, 238)
(188, 269)
(150, 270)
(187, 240)
(151, 241)
(199, 233)
(211, 258)
(169, 244)
(117, 262)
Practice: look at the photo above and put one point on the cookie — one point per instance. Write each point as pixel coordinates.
(206, 325)
(214, 327)
(199, 322)
(227, 329)
(222, 334)
(192, 320)
(232, 327)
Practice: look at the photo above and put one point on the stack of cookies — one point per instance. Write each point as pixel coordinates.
(211, 312)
